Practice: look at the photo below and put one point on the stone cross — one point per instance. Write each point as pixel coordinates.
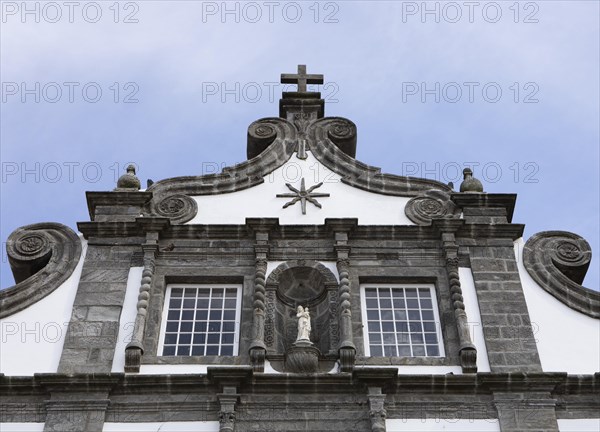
(301, 78)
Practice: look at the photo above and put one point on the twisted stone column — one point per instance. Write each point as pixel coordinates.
(347, 350)
(135, 348)
(467, 351)
(257, 346)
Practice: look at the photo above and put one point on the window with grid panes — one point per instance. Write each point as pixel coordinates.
(401, 321)
(201, 320)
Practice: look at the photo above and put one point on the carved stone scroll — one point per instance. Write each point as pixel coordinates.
(178, 208)
(431, 205)
(558, 262)
(42, 256)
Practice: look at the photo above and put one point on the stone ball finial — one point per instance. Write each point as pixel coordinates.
(129, 180)
(470, 184)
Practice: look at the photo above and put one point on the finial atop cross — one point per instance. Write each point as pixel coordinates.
(301, 78)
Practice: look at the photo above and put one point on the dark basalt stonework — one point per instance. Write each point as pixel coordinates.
(42, 256)
(329, 384)
(302, 357)
(558, 262)
(273, 141)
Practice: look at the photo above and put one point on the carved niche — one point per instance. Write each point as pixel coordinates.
(301, 283)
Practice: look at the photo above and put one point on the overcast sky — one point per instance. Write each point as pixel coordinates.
(510, 89)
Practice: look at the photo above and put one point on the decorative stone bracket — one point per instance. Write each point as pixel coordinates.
(229, 379)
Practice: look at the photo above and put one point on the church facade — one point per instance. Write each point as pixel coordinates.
(301, 290)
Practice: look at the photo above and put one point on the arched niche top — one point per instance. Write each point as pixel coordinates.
(301, 282)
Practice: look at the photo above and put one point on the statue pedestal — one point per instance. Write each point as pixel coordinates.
(302, 357)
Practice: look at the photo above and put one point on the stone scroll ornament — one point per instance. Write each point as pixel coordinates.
(558, 262)
(431, 205)
(178, 208)
(260, 136)
(42, 256)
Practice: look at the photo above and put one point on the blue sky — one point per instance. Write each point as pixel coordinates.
(527, 119)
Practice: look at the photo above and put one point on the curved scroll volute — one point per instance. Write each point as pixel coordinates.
(42, 256)
(558, 262)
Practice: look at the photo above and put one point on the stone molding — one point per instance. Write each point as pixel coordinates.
(133, 199)
(558, 262)
(272, 142)
(42, 256)
(243, 231)
(486, 200)
(328, 138)
(139, 398)
(241, 176)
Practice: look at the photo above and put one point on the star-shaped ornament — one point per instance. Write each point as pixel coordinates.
(303, 195)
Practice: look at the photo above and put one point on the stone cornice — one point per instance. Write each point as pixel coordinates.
(475, 200)
(486, 382)
(137, 228)
(323, 135)
(281, 135)
(115, 198)
(487, 231)
(140, 226)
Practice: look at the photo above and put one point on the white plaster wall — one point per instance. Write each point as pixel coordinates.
(196, 426)
(158, 369)
(33, 339)
(261, 201)
(127, 319)
(417, 370)
(471, 303)
(567, 340)
(579, 425)
(21, 427)
(432, 425)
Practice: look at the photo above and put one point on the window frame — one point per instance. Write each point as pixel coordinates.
(436, 317)
(165, 312)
